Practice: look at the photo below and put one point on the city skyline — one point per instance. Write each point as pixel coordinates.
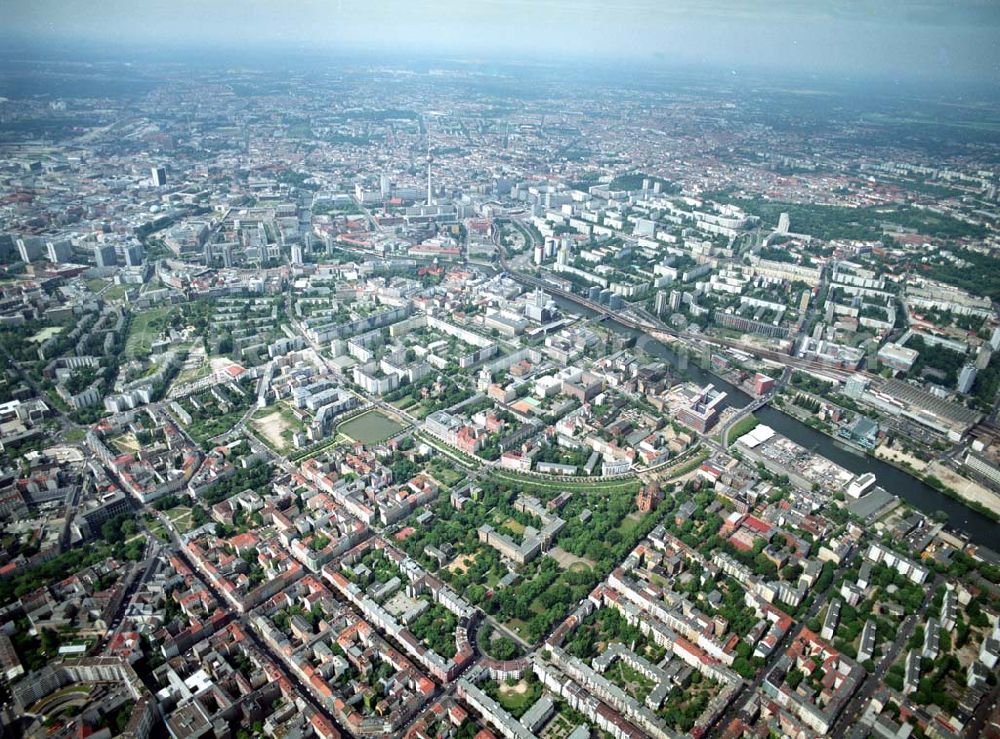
(556, 370)
(929, 41)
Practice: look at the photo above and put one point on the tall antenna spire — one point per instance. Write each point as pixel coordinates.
(430, 191)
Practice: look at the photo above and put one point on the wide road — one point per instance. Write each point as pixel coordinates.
(152, 551)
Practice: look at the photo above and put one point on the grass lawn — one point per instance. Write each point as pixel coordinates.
(418, 410)
(180, 517)
(629, 523)
(190, 375)
(743, 426)
(75, 435)
(145, 328)
(45, 334)
(371, 427)
(516, 526)
(442, 471)
(630, 680)
(517, 698)
(115, 292)
(96, 284)
(519, 627)
(525, 482)
(157, 529)
(125, 443)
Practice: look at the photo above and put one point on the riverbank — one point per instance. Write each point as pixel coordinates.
(951, 482)
(968, 490)
(942, 479)
(965, 517)
(900, 459)
(934, 475)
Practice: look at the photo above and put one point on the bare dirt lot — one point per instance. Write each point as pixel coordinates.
(569, 561)
(272, 427)
(966, 488)
(899, 457)
(462, 563)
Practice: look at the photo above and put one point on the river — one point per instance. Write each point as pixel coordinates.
(959, 517)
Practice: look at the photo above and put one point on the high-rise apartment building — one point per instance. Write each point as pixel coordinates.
(30, 249)
(966, 377)
(158, 175)
(662, 303)
(133, 255)
(59, 251)
(104, 255)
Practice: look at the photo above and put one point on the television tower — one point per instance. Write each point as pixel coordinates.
(430, 159)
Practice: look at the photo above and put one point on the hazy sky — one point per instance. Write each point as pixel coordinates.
(933, 39)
